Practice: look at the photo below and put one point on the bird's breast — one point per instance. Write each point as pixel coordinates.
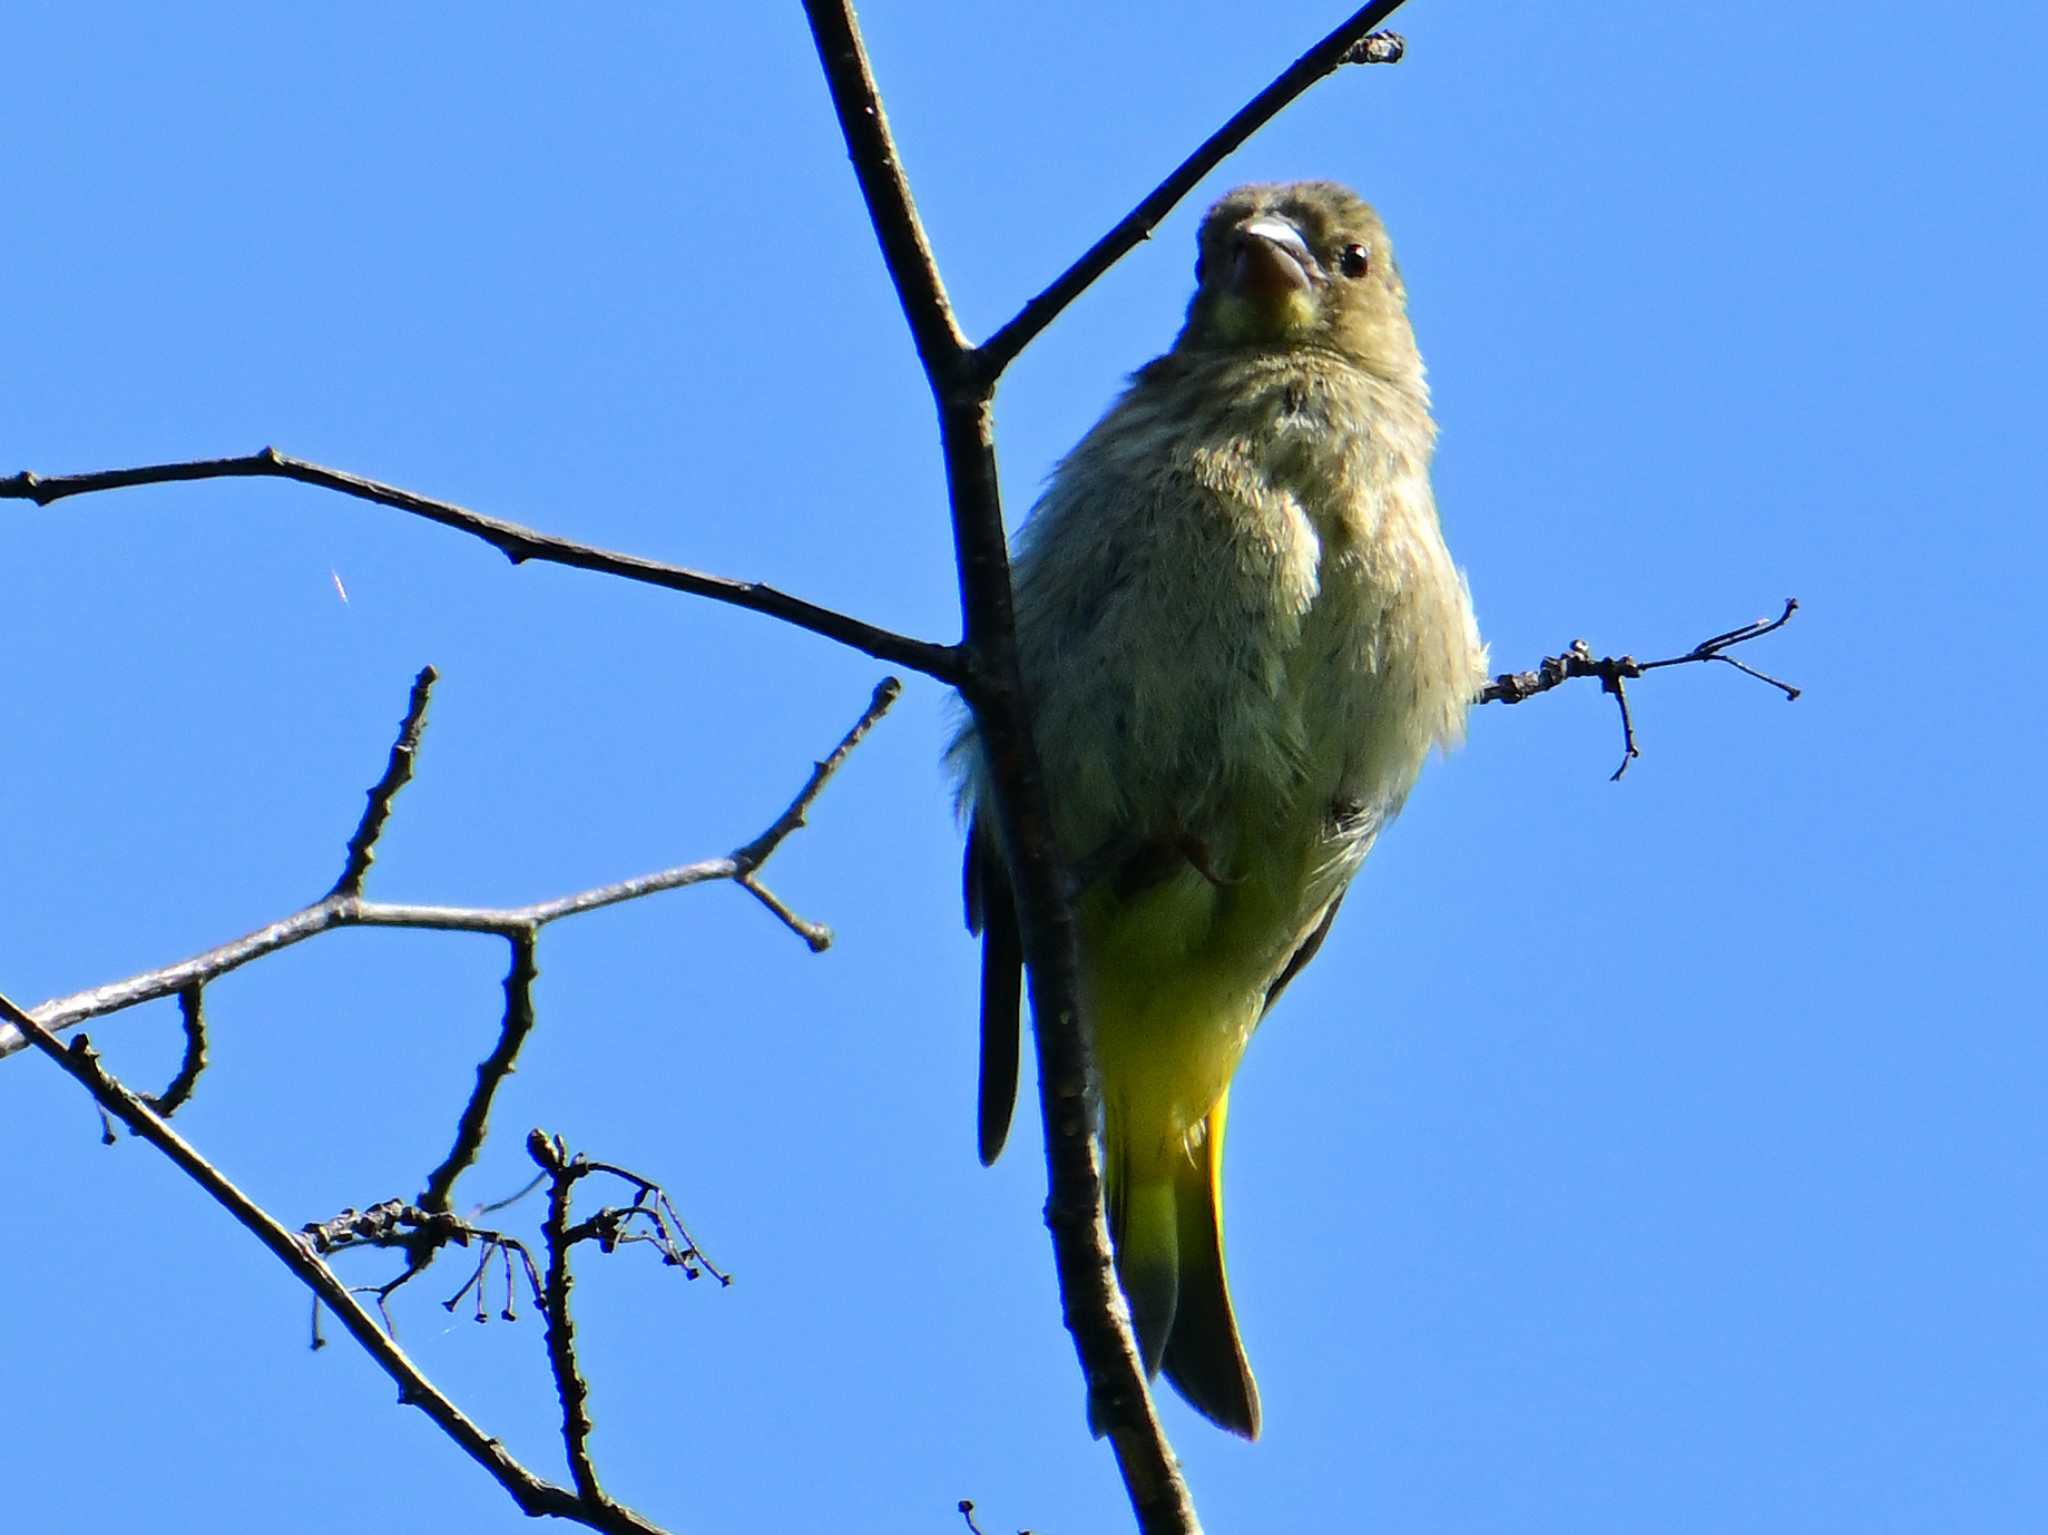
(1233, 617)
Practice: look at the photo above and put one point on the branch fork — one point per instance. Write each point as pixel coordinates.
(1614, 672)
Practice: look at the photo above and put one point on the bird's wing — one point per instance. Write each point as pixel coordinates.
(1306, 951)
(992, 913)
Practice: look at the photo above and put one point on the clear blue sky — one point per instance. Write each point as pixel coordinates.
(1665, 1155)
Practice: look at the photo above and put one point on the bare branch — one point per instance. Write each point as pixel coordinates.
(1716, 648)
(352, 911)
(905, 249)
(192, 1015)
(500, 1249)
(563, 1172)
(817, 934)
(753, 854)
(652, 1205)
(750, 857)
(535, 1496)
(744, 863)
(963, 387)
(491, 1073)
(570, 1386)
(518, 544)
(963, 383)
(421, 1233)
(338, 910)
(1347, 43)
(1615, 671)
(362, 847)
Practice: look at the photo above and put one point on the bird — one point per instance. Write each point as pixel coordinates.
(1240, 635)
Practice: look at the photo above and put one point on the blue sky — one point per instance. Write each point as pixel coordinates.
(1657, 1155)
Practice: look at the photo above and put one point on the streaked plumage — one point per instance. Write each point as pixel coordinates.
(1240, 634)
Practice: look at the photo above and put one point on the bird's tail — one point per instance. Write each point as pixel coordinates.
(1166, 1218)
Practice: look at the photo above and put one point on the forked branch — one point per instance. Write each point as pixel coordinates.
(421, 1230)
(1615, 672)
(534, 1495)
(342, 907)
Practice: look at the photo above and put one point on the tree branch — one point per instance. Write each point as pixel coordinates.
(906, 251)
(609, 1228)
(362, 847)
(421, 1233)
(1347, 43)
(341, 909)
(192, 1019)
(963, 386)
(534, 1495)
(421, 1230)
(1615, 671)
(491, 1073)
(570, 1387)
(517, 543)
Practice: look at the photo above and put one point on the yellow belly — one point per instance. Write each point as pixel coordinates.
(1174, 980)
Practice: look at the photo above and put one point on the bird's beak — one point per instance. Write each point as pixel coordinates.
(1270, 262)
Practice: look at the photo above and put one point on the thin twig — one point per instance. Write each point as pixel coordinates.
(1614, 672)
(504, 1249)
(511, 1199)
(1347, 43)
(341, 910)
(652, 1201)
(750, 857)
(1715, 649)
(362, 846)
(535, 1496)
(906, 251)
(352, 911)
(192, 1016)
(816, 934)
(396, 1224)
(515, 542)
(570, 1387)
(491, 1073)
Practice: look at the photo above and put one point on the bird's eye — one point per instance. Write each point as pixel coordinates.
(1355, 261)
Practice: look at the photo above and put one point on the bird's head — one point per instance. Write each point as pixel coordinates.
(1302, 263)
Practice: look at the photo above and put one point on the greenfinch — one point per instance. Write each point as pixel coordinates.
(1240, 635)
